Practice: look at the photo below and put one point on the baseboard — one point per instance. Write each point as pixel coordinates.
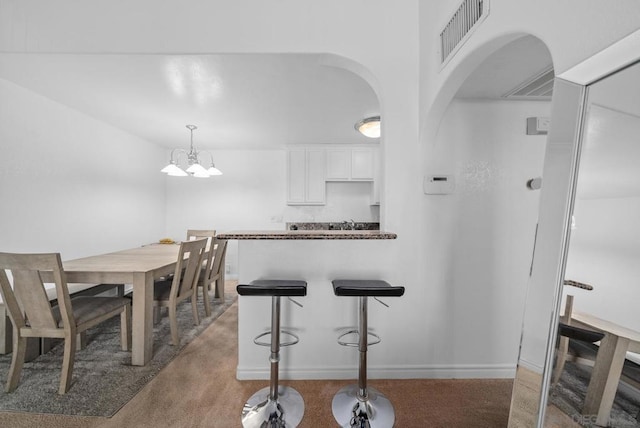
(535, 368)
(466, 371)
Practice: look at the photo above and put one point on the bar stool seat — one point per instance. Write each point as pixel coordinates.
(274, 406)
(358, 405)
(365, 287)
(273, 287)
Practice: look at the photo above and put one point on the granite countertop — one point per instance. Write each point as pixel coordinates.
(307, 234)
(334, 225)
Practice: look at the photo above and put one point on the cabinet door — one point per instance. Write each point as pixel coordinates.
(377, 175)
(316, 187)
(338, 164)
(296, 176)
(362, 164)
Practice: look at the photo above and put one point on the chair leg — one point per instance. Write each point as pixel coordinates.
(125, 328)
(194, 308)
(6, 331)
(220, 288)
(67, 363)
(156, 314)
(173, 323)
(561, 357)
(17, 361)
(81, 341)
(205, 299)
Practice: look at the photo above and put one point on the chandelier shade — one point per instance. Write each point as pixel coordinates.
(194, 167)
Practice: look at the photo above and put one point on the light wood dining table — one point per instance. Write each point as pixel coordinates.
(607, 368)
(138, 266)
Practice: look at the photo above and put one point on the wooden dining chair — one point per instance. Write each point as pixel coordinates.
(32, 315)
(208, 259)
(211, 276)
(200, 233)
(183, 285)
(566, 331)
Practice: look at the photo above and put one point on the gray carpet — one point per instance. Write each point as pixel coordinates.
(569, 394)
(103, 377)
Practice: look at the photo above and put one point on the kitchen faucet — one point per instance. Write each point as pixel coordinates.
(348, 225)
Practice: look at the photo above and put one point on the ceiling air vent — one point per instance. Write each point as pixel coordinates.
(539, 87)
(458, 29)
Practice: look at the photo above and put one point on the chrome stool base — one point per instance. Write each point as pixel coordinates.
(261, 411)
(349, 410)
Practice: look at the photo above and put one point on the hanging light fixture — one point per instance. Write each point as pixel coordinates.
(194, 169)
(369, 127)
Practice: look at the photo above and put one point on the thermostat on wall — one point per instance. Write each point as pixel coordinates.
(440, 184)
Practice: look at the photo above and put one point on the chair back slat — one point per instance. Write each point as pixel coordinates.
(220, 250)
(188, 269)
(32, 297)
(10, 301)
(27, 300)
(210, 235)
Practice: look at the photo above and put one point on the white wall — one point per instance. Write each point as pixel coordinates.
(71, 184)
(567, 30)
(485, 229)
(604, 252)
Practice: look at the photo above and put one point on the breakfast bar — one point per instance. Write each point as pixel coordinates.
(317, 257)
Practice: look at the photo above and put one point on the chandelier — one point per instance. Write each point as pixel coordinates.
(369, 127)
(194, 168)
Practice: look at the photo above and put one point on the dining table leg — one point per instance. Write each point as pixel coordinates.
(605, 378)
(142, 319)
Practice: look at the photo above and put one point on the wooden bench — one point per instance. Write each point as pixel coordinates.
(44, 345)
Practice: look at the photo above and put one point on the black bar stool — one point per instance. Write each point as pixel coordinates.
(358, 405)
(274, 406)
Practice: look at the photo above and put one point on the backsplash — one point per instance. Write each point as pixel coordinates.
(335, 225)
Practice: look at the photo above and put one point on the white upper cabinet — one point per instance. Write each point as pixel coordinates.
(350, 164)
(296, 173)
(305, 176)
(315, 183)
(310, 167)
(338, 164)
(362, 166)
(377, 173)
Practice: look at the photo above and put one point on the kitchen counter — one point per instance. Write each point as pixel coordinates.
(308, 234)
(317, 257)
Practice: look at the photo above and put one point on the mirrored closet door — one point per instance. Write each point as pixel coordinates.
(595, 374)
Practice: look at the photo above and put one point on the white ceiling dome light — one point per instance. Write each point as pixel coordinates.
(369, 127)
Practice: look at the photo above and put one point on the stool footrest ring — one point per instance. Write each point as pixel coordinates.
(295, 340)
(356, 344)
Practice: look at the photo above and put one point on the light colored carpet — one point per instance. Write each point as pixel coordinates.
(103, 377)
(198, 389)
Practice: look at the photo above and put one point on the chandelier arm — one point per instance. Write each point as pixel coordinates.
(209, 153)
(212, 169)
(180, 151)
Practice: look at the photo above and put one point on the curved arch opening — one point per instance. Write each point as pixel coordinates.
(476, 132)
